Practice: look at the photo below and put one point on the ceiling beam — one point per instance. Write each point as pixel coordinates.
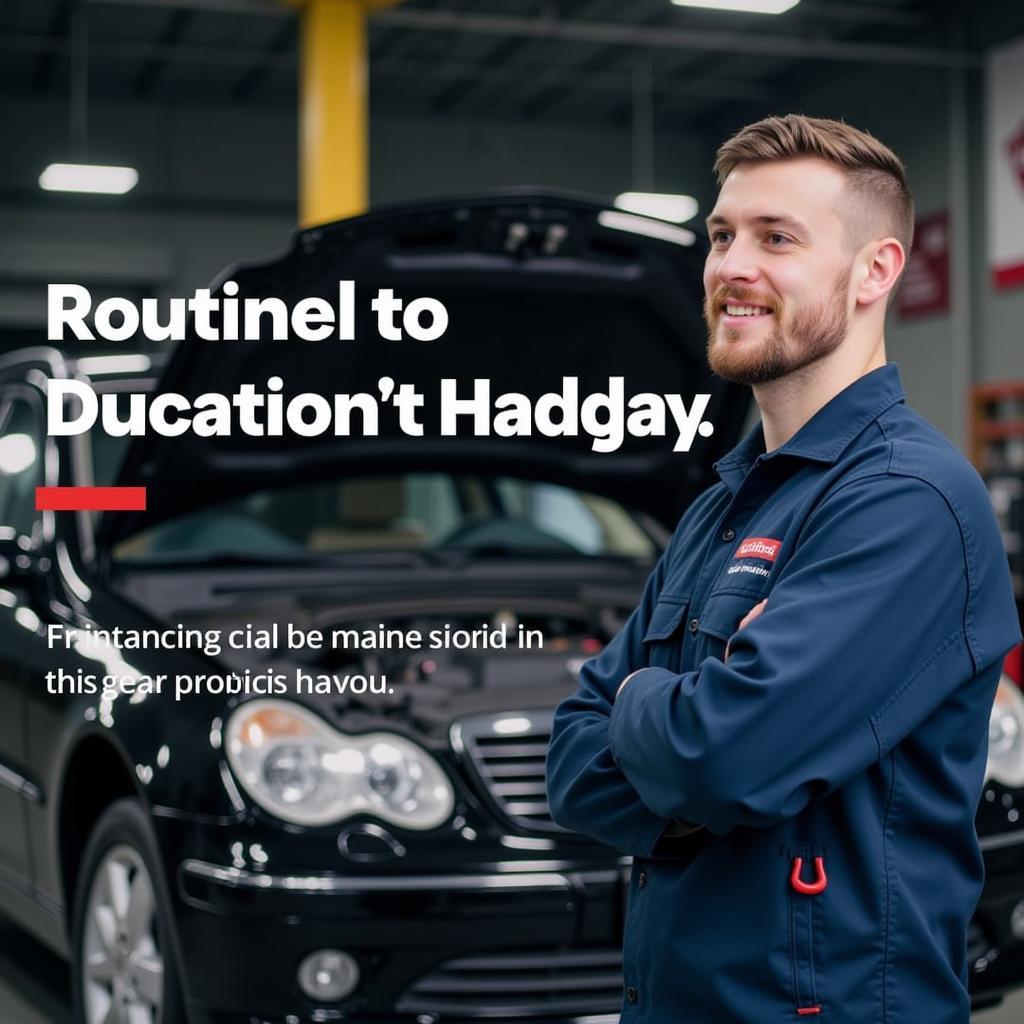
(877, 13)
(874, 14)
(281, 43)
(247, 58)
(46, 67)
(503, 52)
(413, 45)
(662, 37)
(133, 51)
(271, 8)
(175, 28)
(618, 83)
(542, 101)
(497, 57)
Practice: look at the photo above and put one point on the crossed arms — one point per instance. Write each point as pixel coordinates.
(864, 635)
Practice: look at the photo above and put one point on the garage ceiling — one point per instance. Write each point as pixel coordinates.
(507, 59)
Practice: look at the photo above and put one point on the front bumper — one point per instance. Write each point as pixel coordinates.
(996, 938)
(540, 945)
(529, 940)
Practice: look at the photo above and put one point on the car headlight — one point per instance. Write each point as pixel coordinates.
(1006, 736)
(301, 770)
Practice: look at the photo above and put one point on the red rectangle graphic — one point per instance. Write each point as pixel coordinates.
(90, 499)
(759, 547)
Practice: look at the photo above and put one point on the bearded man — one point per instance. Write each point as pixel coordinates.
(789, 733)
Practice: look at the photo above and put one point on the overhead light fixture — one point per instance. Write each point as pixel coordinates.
(79, 175)
(89, 178)
(93, 365)
(663, 206)
(645, 226)
(748, 6)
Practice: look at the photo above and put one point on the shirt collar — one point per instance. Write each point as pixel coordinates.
(826, 435)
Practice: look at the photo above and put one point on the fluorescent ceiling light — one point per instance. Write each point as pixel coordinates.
(88, 178)
(93, 365)
(750, 6)
(645, 226)
(675, 209)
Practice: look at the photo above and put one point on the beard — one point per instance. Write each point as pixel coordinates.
(814, 333)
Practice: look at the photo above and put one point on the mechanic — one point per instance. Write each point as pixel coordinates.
(789, 733)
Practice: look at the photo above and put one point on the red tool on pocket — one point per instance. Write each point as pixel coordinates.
(819, 884)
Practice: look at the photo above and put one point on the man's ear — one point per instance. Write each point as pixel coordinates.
(881, 263)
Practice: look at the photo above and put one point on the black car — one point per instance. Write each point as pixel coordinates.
(247, 854)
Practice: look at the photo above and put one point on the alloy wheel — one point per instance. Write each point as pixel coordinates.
(122, 962)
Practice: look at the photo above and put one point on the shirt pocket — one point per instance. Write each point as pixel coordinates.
(664, 637)
(720, 620)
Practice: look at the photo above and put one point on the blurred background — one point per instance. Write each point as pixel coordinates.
(212, 104)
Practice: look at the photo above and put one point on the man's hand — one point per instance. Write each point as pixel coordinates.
(747, 620)
(624, 681)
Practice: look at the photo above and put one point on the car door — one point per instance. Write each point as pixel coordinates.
(20, 466)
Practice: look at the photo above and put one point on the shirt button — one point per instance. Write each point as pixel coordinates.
(728, 535)
(694, 625)
(631, 994)
(642, 880)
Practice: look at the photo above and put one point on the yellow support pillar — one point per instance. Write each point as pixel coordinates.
(333, 109)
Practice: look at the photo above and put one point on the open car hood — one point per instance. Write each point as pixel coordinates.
(538, 286)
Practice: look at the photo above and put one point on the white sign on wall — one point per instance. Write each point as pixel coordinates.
(1005, 161)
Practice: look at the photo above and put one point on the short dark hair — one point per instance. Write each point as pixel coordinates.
(876, 176)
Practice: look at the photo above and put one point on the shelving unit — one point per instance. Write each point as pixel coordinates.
(997, 449)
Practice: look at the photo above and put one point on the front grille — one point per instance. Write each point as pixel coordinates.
(521, 983)
(506, 753)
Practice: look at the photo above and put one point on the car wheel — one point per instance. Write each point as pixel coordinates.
(123, 966)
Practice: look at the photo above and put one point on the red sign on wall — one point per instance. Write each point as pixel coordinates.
(925, 286)
(1011, 275)
(1004, 164)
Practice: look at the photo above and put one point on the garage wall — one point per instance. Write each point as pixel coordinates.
(909, 111)
(1003, 327)
(416, 157)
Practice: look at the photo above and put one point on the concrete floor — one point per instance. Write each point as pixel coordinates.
(35, 986)
(1010, 1012)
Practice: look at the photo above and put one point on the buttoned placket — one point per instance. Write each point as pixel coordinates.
(719, 548)
(630, 952)
(747, 495)
(630, 988)
(737, 513)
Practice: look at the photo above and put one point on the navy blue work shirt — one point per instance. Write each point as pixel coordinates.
(834, 761)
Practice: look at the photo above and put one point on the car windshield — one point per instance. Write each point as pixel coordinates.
(410, 512)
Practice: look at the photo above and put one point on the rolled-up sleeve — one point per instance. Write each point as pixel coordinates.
(865, 633)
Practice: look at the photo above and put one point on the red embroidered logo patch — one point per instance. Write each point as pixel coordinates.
(759, 547)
